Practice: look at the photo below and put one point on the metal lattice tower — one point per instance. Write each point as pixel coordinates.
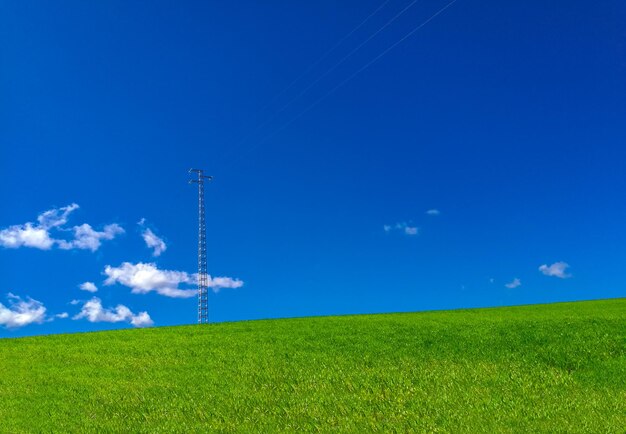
(203, 276)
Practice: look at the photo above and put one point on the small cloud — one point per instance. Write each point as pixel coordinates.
(402, 227)
(433, 212)
(153, 242)
(93, 311)
(61, 315)
(26, 235)
(56, 217)
(20, 313)
(558, 269)
(86, 238)
(157, 245)
(217, 283)
(38, 235)
(143, 278)
(142, 319)
(514, 283)
(88, 286)
(75, 302)
(146, 277)
(410, 230)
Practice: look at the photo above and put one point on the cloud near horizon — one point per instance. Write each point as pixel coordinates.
(38, 235)
(147, 277)
(558, 269)
(93, 311)
(20, 313)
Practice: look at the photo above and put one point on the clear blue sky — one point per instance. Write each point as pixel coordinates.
(506, 117)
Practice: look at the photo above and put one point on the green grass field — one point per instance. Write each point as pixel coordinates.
(544, 368)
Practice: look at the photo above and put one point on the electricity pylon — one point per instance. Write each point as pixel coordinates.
(203, 276)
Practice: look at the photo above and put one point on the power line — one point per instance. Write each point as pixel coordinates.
(333, 48)
(328, 71)
(343, 59)
(344, 82)
(304, 73)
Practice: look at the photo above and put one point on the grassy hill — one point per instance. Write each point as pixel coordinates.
(543, 368)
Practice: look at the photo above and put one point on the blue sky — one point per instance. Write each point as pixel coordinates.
(505, 117)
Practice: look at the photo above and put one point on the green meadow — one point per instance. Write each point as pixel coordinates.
(542, 368)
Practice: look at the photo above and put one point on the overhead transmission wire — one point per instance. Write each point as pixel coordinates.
(330, 50)
(305, 72)
(343, 59)
(345, 81)
(332, 68)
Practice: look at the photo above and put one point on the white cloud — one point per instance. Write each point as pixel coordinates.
(514, 283)
(217, 283)
(25, 235)
(37, 235)
(142, 319)
(61, 315)
(56, 217)
(558, 269)
(86, 238)
(157, 245)
(88, 286)
(93, 311)
(433, 212)
(21, 312)
(146, 277)
(143, 278)
(410, 230)
(402, 227)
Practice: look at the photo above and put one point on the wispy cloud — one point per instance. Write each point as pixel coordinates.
(56, 217)
(514, 283)
(93, 311)
(433, 212)
(38, 235)
(558, 269)
(20, 313)
(153, 242)
(88, 286)
(402, 227)
(86, 238)
(147, 277)
(411, 230)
